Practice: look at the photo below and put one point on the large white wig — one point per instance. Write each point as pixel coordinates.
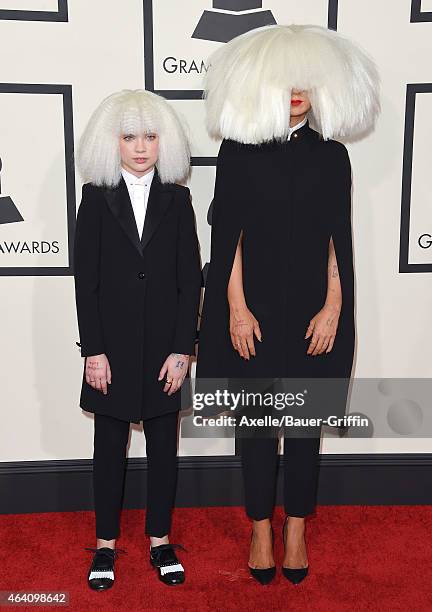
(249, 82)
(132, 112)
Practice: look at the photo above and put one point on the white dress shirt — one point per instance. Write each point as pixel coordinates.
(139, 190)
(296, 127)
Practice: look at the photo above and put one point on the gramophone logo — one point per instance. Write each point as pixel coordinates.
(230, 18)
(176, 50)
(179, 37)
(9, 213)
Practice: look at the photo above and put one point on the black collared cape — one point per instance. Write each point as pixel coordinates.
(137, 299)
(289, 198)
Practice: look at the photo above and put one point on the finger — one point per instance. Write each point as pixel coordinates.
(325, 344)
(173, 387)
(88, 376)
(108, 373)
(104, 386)
(181, 381)
(163, 371)
(169, 379)
(98, 384)
(310, 329)
(313, 343)
(330, 346)
(239, 346)
(257, 331)
(319, 346)
(233, 342)
(251, 345)
(311, 346)
(245, 349)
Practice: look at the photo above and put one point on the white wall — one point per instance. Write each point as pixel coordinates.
(100, 50)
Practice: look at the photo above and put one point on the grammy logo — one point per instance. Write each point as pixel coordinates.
(230, 18)
(9, 213)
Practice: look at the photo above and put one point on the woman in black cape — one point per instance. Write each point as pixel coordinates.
(279, 297)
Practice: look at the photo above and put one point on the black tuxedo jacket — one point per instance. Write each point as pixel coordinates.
(137, 300)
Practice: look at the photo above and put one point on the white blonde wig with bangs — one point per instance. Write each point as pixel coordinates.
(132, 112)
(249, 82)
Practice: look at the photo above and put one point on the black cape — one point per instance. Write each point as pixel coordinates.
(289, 198)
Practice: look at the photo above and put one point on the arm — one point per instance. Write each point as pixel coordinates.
(86, 273)
(342, 227)
(243, 324)
(334, 290)
(235, 292)
(323, 326)
(189, 280)
(189, 283)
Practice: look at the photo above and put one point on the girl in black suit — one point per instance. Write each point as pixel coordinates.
(138, 282)
(279, 297)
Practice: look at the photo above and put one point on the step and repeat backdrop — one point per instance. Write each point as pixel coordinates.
(59, 58)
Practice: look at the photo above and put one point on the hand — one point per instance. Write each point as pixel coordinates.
(98, 372)
(243, 326)
(175, 367)
(323, 329)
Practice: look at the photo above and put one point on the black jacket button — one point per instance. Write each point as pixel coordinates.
(141, 275)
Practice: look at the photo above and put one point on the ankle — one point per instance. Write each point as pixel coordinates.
(295, 520)
(101, 543)
(262, 527)
(154, 541)
(294, 524)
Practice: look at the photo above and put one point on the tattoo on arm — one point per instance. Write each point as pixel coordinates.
(332, 261)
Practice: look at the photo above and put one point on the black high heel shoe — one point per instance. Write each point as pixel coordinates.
(297, 574)
(266, 575)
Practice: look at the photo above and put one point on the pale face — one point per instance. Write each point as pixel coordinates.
(300, 105)
(139, 154)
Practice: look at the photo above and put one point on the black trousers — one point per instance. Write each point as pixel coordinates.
(259, 465)
(109, 460)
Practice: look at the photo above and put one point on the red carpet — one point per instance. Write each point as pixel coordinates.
(361, 558)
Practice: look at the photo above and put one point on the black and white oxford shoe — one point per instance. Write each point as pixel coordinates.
(164, 559)
(101, 573)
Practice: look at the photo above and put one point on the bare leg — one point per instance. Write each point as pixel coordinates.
(261, 549)
(295, 546)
